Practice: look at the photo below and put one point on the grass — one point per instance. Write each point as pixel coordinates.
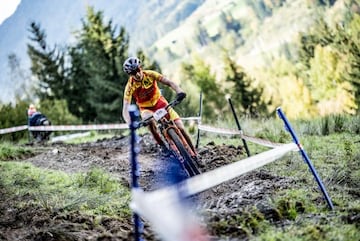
(94, 192)
(10, 152)
(332, 143)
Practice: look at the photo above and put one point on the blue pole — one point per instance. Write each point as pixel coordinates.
(134, 114)
(305, 157)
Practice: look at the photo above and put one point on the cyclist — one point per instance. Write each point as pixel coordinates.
(142, 85)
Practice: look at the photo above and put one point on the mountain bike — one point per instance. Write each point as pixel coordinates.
(174, 139)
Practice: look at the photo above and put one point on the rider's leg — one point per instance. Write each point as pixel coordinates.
(154, 132)
(152, 127)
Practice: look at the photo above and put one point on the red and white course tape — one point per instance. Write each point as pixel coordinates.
(13, 129)
(79, 127)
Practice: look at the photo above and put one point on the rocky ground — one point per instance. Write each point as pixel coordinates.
(223, 207)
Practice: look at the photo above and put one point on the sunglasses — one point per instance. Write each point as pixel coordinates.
(134, 72)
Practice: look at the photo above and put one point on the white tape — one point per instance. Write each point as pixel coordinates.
(169, 217)
(215, 177)
(79, 127)
(191, 118)
(172, 223)
(122, 126)
(238, 132)
(261, 141)
(222, 174)
(13, 129)
(219, 130)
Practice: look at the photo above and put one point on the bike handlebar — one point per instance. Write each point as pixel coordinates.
(146, 121)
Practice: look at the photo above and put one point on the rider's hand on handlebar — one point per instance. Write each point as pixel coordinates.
(180, 96)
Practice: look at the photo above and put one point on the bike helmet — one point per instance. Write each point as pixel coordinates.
(131, 65)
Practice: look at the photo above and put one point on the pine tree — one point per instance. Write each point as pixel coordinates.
(344, 43)
(247, 97)
(99, 55)
(24, 91)
(350, 43)
(47, 65)
(214, 101)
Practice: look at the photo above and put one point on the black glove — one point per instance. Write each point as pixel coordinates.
(180, 96)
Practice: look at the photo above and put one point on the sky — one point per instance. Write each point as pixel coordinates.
(7, 8)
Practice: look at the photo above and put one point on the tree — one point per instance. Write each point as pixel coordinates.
(260, 9)
(329, 89)
(25, 91)
(91, 80)
(11, 116)
(342, 45)
(47, 65)
(321, 34)
(201, 35)
(350, 43)
(214, 98)
(96, 72)
(284, 87)
(248, 98)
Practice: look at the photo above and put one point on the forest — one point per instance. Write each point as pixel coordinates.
(315, 75)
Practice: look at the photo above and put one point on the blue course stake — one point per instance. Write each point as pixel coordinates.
(305, 156)
(134, 115)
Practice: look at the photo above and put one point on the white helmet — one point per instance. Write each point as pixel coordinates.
(131, 65)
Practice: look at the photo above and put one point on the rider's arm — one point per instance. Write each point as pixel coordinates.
(125, 112)
(171, 84)
(126, 103)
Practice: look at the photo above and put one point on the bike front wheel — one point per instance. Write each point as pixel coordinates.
(189, 164)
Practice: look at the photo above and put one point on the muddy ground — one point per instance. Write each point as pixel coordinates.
(227, 210)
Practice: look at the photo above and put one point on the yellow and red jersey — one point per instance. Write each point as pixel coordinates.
(146, 93)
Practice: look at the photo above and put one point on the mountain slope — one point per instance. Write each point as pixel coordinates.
(167, 31)
(145, 21)
(260, 38)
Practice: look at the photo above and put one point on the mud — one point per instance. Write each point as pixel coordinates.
(223, 208)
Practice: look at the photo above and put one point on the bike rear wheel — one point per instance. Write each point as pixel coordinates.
(190, 167)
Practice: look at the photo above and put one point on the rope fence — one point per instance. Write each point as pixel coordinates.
(123, 126)
(241, 134)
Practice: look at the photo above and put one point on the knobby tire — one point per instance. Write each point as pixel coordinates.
(189, 164)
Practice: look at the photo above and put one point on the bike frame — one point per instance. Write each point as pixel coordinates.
(164, 124)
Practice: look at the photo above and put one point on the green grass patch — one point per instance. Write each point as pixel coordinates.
(94, 192)
(308, 231)
(10, 151)
(333, 145)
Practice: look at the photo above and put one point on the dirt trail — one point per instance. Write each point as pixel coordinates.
(221, 207)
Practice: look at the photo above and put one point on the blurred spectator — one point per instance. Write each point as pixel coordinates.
(31, 110)
(36, 118)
